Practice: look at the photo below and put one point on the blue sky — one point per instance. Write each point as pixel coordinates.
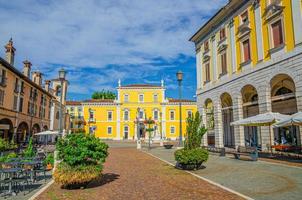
(101, 41)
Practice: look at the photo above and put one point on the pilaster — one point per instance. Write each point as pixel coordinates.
(218, 124)
(238, 115)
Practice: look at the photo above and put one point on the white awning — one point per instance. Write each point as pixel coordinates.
(48, 133)
(295, 119)
(4, 126)
(265, 119)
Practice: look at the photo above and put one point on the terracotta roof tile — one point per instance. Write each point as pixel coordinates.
(171, 100)
(73, 103)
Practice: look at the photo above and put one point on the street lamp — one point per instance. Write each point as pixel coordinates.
(138, 142)
(179, 76)
(62, 74)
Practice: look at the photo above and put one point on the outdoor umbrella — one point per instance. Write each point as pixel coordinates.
(293, 120)
(265, 119)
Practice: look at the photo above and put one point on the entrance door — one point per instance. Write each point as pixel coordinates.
(126, 132)
(228, 130)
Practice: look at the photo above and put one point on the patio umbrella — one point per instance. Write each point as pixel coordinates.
(265, 119)
(48, 133)
(293, 120)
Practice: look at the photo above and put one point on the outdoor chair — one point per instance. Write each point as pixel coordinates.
(21, 182)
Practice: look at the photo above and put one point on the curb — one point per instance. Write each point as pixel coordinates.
(41, 190)
(205, 179)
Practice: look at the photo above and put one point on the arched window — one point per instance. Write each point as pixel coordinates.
(58, 90)
(126, 115)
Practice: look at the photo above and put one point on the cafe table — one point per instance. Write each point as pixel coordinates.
(11, 172)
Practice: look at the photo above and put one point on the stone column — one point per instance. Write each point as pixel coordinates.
(218, 124)
(237, 115)
(297, 20)
(202, 111)
(233, 45)
(265, 105)
(214, 56)
(299, 107)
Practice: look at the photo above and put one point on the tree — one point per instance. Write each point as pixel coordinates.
(103, 95)
(195, 131)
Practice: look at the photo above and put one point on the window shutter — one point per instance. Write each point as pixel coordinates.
(277, 33)
(246, 50)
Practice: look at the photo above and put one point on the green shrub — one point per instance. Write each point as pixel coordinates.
(191, 156)
(82, 157)
(81, 149)
(8, 157)
(49, 159)
(67, 175)
(6, 145)
(29, 152)
(194, 131)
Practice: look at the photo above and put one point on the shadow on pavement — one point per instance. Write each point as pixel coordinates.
(105, 179)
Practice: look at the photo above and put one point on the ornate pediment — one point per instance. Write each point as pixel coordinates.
(206, 58)
(244, 29)
(222, 47)
(273, 9)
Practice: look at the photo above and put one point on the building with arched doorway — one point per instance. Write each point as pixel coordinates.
(26, 105)
(249, 61)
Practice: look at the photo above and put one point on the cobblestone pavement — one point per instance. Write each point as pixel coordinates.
(258, 180)
(132, 174)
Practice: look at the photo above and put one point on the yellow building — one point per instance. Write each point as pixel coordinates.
(124, 117)
(249, 61)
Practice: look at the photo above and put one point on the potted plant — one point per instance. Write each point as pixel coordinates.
(49, 161)
(82, 157)
(7, 158)
(168, 145)
(192, 155)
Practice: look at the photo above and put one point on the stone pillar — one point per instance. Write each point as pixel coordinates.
(199, 69)
(237, 115)
(202, 111)
(118, 123)
(265, 105)
(214, 56)
(218, 124)
(297, 20)
(258, 24)
(232, 45)
(299, 108)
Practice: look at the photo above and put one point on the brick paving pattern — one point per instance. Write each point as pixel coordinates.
(132, 174)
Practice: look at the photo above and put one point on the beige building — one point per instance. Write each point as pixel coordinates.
(26, 106)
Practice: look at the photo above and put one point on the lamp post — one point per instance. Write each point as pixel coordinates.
(161, 129)
(179, 76)
(138, 142)
(62, 74)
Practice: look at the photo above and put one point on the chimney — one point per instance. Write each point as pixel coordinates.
(47, 85)
(10, 52)
(26, 68)
(37, 78)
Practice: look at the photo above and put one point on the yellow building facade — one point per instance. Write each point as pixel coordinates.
(248, 61)
(124, 117)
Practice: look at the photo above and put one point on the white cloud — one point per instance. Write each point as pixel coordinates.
(79, 34)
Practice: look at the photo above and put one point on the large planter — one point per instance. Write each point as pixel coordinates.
(168, 146)
(189, 166)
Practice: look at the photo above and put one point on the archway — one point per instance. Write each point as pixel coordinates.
(209, 111)
(252, 134)
(6, 129)
(22, 132)
(284, 101)
(45, 128)
(227, 118)
(36, 129)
